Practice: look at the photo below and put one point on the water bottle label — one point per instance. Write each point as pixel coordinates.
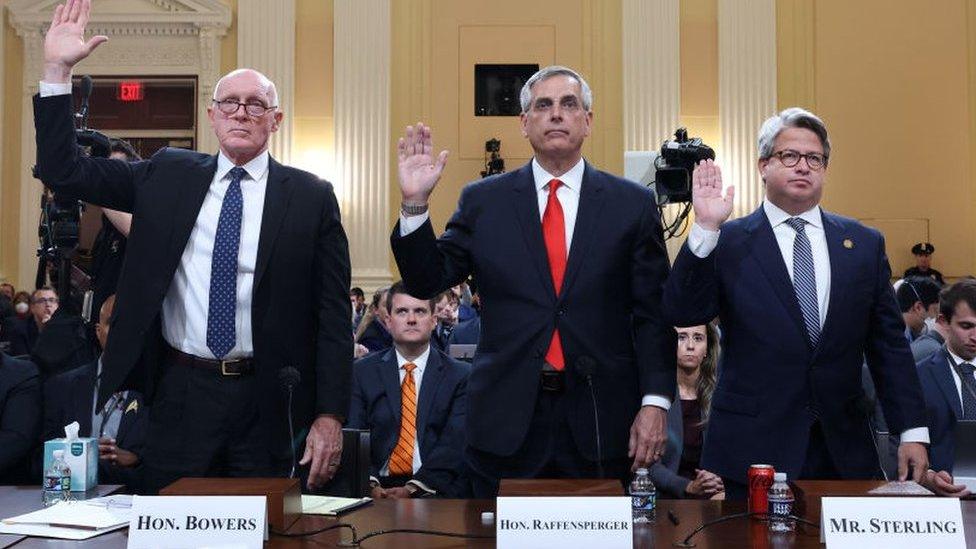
(783, 508)
(643, 502)
(66, 484)
(54, 483)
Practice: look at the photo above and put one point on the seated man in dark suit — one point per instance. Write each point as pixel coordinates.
(416, 416)
(948, 384)
(20, 417)
(446, 307)
(120, 425)
(467, 332)
(22, 333)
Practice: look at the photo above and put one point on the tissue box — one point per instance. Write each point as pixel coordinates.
(81, 455)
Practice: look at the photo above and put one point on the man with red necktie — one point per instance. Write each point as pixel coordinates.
(570, 264)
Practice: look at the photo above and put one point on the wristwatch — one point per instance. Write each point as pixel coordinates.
(413, 209)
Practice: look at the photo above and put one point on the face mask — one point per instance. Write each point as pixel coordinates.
(21, 307)
(930, 324)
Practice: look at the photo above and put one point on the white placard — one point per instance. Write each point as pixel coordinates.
(564, 522)
(891, 523)
(197, 521)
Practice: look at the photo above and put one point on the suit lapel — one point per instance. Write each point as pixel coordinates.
(943, 378)
(841, 272)
(764, 248)
(433, 374)
(125, 421)
(527, 211)
(275, 205)
(590, 207)
(389, 374)
(189, 203)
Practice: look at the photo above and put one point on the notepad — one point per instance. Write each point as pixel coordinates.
(331, 506)
(67, 520)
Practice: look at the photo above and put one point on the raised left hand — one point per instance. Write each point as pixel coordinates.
(914, 455)
(323, 449)
(647, 436)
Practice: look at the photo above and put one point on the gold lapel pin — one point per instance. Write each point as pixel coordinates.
(133, 407)
(848, 243)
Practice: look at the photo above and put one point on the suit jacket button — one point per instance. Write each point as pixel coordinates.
(560, 312)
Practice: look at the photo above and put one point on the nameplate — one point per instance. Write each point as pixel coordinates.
(564, 522)
(197, 521)
(891, 523)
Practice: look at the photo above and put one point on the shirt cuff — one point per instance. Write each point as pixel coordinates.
(656, 400)
(421, 486)
(409, 224)
(918, 434)
(373, 481)
(701, 241)
(48, 89)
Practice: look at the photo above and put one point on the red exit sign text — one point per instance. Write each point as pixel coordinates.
(131, 91)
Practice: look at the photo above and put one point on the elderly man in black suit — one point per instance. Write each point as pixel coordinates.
(237, 267)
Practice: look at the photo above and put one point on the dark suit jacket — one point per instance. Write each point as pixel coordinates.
(467, 332)
(21, 333)
(608, 308)
(440, 415)
(772, 385)
(300, 304)
(69, 396)
(20, 417)
(376, 337)
(943, 408)
(664, 472)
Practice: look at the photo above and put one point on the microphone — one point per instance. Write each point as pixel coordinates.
(289, 377)
(584, 367)
(86, 91)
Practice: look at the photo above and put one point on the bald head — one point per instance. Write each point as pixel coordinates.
(270, 90)
(104, 317)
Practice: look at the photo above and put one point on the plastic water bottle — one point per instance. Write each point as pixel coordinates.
(57, 481)
(643, 497)
(780, 505)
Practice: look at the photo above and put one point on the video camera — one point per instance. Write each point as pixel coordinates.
(494, 163)
(677, 160)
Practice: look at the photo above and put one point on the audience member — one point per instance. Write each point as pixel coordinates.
(923, 263)
(358, 300)
(23, 333)
(467, 332)
(947, 377)
(412, 399)
(372, 332)
(446, 316)
(918, 298)
(678, 474)
(120, 425)
(20, 418)
(21, 303)
(7, 289)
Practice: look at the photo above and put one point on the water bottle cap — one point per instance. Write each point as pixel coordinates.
(779, 477)
(642, 471)
(58, 454)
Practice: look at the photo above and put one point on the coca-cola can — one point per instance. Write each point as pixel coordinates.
(760, 479)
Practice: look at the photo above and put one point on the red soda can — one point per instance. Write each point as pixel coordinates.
(760, 479)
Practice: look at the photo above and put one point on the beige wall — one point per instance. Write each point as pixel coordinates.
(893, 81)
(10, 172)
(699, 70)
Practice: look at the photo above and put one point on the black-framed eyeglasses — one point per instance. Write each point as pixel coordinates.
(230, 107)
(45, 300)
(791, 158)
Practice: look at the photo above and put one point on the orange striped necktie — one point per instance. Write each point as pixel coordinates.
(401, 460)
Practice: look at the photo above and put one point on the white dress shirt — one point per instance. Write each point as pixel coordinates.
(188, 298)
(418, 375)
(568, 195)
(702, 242)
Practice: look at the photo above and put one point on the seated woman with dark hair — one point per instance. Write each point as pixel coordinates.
(677, 473)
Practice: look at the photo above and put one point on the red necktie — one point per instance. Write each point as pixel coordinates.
(554, 233)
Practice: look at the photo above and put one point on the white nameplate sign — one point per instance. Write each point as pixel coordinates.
(564, 522)
(197, 521)
(891, 523)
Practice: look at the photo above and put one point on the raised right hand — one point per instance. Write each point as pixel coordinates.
(418, 170)
(711, 207)
(65, 45)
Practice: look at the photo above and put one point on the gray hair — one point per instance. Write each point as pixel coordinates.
(266, 82)
(793, 117)
(525, 96)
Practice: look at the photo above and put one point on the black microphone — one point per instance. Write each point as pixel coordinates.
(86, 91)
(289, 377)
(585, 367)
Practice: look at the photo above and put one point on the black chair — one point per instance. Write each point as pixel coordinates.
(352, 478)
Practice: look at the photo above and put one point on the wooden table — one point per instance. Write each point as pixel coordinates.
(465, 516)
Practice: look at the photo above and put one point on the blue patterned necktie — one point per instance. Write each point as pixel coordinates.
(968, 400)
(805, 280)
(221, 333)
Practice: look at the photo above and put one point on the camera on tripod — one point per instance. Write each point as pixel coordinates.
(494, 163)
(677, 160)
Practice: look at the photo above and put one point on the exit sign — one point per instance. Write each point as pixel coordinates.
(131, 91)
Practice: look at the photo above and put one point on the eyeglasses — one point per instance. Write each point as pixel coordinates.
(230, 107)
(791, 158)
(45, 300)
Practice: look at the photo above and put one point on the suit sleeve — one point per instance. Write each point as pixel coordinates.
(430, 265)
(691, 293)
(655, 340)
(443, 464)
(356, 419)
(72, 175)
(334, 344)
(889, 357)
(20, 420)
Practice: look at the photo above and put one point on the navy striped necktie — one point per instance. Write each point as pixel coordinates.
(805, 280)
